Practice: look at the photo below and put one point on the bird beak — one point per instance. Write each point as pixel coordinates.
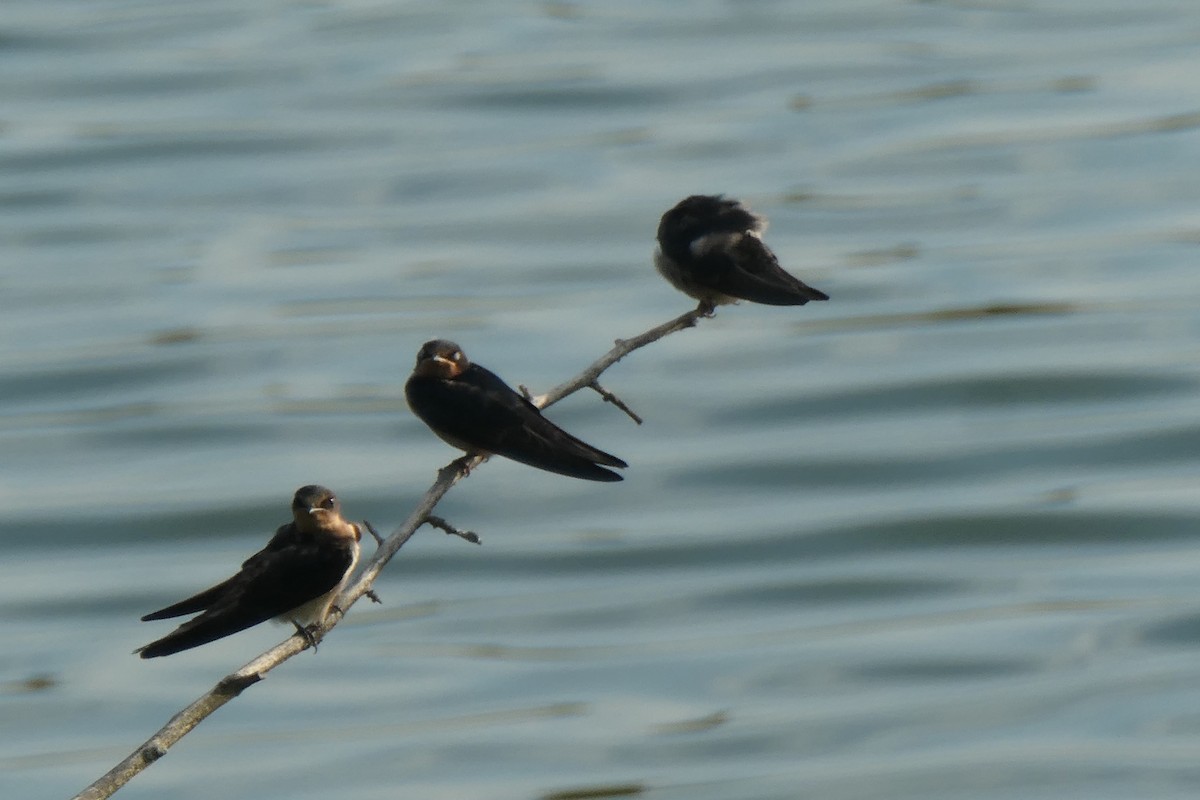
(438, 367)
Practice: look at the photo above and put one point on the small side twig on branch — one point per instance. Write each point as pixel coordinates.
(374, 533)
(442, 525)
(236, 682)
(609, 397)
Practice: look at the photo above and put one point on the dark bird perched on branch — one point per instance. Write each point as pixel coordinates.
(470, 408)
(293, 579)
(711, 249)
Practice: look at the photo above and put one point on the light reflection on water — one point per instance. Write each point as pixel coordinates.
(930, 539)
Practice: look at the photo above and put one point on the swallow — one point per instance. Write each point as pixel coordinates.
(711, 248)
(293, 579)
(472, 409)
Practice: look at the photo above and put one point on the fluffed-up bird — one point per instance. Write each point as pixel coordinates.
(711, 248)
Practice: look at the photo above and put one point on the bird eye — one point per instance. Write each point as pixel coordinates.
(456, 355)
(329, 502)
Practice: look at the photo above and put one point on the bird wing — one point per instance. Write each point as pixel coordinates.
(481, 410)
(271, 583)
(202, 600)
(743, 266)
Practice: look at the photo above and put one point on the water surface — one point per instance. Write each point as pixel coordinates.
(932, 539)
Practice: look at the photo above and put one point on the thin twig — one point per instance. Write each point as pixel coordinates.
(609, 397)
(370, 593)
(236, 682)
(374, 533)
(442, 525)
(621, 348)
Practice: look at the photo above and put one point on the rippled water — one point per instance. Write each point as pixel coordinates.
(932, 539)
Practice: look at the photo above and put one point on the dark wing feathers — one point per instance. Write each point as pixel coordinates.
(193, 604)
(271, 583)
(746, 268)
(535, 431)
(289, 577)
(208, 597)
(480, 409)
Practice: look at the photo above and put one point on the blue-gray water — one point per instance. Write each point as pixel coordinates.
(932, 539)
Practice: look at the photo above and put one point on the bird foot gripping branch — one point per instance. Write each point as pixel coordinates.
(309, 633)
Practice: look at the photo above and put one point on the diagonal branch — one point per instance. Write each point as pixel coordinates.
(621, 348)
(236, 682)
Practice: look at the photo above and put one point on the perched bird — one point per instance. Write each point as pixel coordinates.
(711, 248)
(293, 579)
(470, 408)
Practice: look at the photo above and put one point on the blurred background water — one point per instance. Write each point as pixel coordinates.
(931, 539)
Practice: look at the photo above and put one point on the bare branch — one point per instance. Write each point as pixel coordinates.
(235, 683)
(621, 348)
(179, 725)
